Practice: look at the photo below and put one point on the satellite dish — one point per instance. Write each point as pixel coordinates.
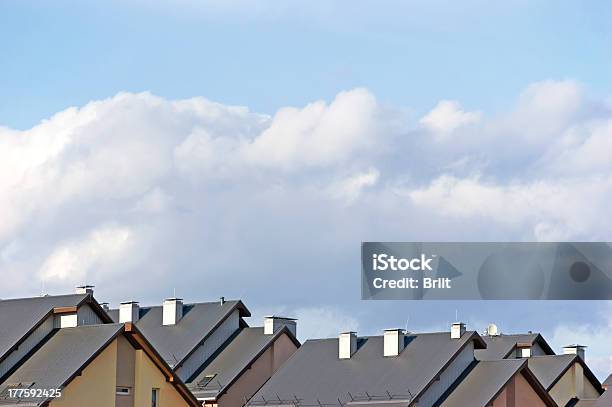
(492, 330)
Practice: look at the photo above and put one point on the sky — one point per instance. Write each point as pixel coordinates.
(246, 148)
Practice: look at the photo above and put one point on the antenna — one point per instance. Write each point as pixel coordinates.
(174, 292)
(456, 315)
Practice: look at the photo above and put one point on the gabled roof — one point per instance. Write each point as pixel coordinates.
(69, 351)
(19, 317)
(608, 382)
(549, 369)
(314, 373)
(234, 359)
(176, 342)
(500, 346)
(487, 380)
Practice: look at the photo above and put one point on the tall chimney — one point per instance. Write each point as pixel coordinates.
(575, 349)
(457, 330)
(129, 311)
(274, 323)
(393, 342)
(84, 289)
(347, 345)
(172, 311)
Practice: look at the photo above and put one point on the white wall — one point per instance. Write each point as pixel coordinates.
(27, 345)
(448, 376)
(214, 341)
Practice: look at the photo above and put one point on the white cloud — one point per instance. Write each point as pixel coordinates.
(218, 200)
(596, 336)
(76, 260)
(447, 116)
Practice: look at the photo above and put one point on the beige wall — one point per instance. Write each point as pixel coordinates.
(96, 385)
(126, 355)
(148, 377)
(261, 370)
(573, 384)
(518, 393)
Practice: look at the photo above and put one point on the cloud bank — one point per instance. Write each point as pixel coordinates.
(159, 194)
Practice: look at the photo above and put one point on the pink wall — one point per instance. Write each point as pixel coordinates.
(261, 370)
(518, 393)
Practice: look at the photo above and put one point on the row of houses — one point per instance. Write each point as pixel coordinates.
(71, 350)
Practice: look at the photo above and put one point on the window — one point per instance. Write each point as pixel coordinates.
(206, 380)
(123, 391)
(155, 398)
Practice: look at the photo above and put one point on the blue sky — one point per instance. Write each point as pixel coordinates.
(269, 54)
(246, 148)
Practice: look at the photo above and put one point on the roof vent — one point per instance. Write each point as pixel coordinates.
(129, 311)
(105, 306)
(457, 330)
(347, 344)
(523, 349)
(172, 311)
(575, 349)
(393, 342)
(274, 323)
(84, 289)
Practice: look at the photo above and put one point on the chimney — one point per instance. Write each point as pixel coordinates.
(172, 311)
(104, 306)
(222, 300)
(129, 311)
(274, 323)
(347, 344)
(575, 349)
(457, 330)
(84, 289)
(523, 350)
(393, 342)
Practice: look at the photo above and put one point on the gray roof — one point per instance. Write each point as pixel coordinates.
(19, 316)
(500, 346)
(605, 400)
(233, 359)
(62, 357)
(175, 342)
(548, 369)
(608, 381)
(484, 382)
(315, 373)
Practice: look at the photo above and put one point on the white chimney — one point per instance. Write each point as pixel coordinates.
(273, 323)
(575, 350)
(84, 289)
(172, 311)
(129, 311)
(393, 342)
(457, 330)
(347, 344)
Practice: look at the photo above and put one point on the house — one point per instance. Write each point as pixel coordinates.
(394, 369)
(96, 365)
(506, 382)
(242, 365)
(565, 377)
(27, 322)
(501, 346)
(186, 335)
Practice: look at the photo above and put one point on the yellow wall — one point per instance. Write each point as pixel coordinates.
(96, 385)
(149, 377)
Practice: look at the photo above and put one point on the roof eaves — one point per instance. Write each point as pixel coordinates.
(478, 341)
(144, 344)
(273, 338)
(243, 312)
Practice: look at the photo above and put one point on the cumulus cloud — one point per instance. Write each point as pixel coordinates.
(213, 199)
(447, 116)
